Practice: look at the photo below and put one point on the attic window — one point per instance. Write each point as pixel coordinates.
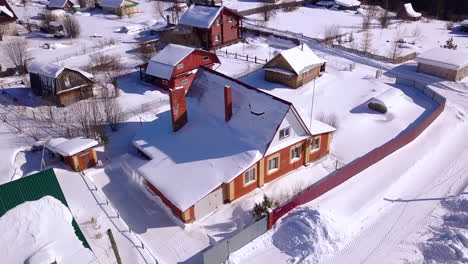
(218, 21)
(229, 19)
(66, 80)
(180, 66)
(284, 133)
(205, 58)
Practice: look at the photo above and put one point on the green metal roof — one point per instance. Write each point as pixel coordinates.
(33, 188)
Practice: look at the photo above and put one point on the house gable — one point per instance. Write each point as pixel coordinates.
(279, 62)
(195, 60)
(7, 15)
(75, 79)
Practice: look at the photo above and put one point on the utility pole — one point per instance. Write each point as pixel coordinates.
(312, 106)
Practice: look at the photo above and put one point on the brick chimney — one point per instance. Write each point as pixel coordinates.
(227, 103)
(178, 108)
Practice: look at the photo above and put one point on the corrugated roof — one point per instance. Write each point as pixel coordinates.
(33, 188)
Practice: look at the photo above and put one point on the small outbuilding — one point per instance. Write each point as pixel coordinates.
(79, 153)
(60, 85)
(348, 4)
(67, 5)
(445, 63)
(7, 18)
(294, 67)
(407, 12)
(120, 7)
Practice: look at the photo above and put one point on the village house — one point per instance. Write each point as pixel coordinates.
(407, 12)
(120, 7)
(60, 85)
(237, 138)
(7, 19)
(67, 5)
(176, 66)
(79, 153)
(207, 27)
(294, 67)
(445, 63)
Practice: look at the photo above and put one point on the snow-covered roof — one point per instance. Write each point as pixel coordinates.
(325, 3)
(6, 11)
(200, 16)
(58, 3)
(162, 65)
(41, 231)
(283, 71)
(410, 11)
(70, 147)
(348, 3)
(444, 58)
(112, 3)
(318, 127)
(52, 70)
(301, 58)
(188, 164)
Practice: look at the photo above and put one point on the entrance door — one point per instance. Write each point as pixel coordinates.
(209, 203)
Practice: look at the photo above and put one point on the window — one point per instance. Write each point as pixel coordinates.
(184, 81)
(273, 164)
(284, 133)
(315, 144)
(66, 80)
(164, 82)
(217, 38)
(287, 77)
(205, 58)
(180, 66)
(249, 176)
(204, 37)
(295, 153)
(218, 21)
(229, 19)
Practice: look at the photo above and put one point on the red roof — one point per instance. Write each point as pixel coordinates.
(4, 18)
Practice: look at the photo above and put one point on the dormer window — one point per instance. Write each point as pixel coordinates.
(284, 133)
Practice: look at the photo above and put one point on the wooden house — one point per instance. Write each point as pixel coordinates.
(7, 18)
(207, 27)
(67, 5)
(120, 7)
(79, 153)
(227, 139)
(294, 67)
(60, 85)
(445, 63)
(176, 66)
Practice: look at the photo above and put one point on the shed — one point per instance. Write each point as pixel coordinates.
(120, 7)
(445, 63)
(79, 153)
(294, 67)
(67, 5)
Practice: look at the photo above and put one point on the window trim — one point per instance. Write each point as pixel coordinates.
(180, 66)
(254, 169)
(284, 129)
(312, 144)
(271, 171)
(184, 81)
(297, 146)
(230, 19)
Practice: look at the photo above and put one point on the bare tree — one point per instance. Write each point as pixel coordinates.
(268, 11)
(144, 51)
(71, 27)
(159, 9)
(113, 113)
(331, 33)
(366, 42)
(3, 31)
(370, 14)
(108, 68)
(47, 19)
(384, 18)
(395, 51)
(16, 51)
(88, 116)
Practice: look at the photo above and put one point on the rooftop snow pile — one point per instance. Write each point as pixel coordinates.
(207, 151)
(70, 147)
(444, 58)
(348, 3)
(52, 70)
(410, 11)
(6, 11)
(301, 58)
(200, 16)
(162, 65)
(39, 232)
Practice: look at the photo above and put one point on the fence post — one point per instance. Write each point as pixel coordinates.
(255, 59)
(114, 246)
(270, 218)
(226, 52)
(247, 57)
(235, 55)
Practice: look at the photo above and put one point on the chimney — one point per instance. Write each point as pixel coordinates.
(178, 108)
(227, 103)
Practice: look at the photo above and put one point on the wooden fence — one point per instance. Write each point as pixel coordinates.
(397, 60)
(238, 56)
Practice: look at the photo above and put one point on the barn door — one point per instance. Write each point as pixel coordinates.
(209, 203)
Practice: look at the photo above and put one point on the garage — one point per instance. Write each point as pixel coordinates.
(209, 203)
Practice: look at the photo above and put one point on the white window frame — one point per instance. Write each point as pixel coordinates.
(250, 176)
(274, 169)
(283, 134)
(230, 19)
(312, 143)
(180, 66)
(296, 150)
(66, 81)
(218, 21)
(217, 38)
(184, 81)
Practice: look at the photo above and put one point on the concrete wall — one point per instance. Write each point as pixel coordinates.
(448, 74)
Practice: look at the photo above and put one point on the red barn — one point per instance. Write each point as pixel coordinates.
(215, 26)
(175, 66)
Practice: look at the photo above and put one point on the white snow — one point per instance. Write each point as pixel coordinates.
(348, 3)
(162, 65)
(301, 58)
(6, 11)
(200, 16)
(464, 23)
(410, 11)
(389, 98)
(318, 128)
(219, 151)
(444, 58)
(72, 146)
(42, 233)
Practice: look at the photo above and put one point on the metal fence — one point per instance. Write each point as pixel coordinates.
(221, 251)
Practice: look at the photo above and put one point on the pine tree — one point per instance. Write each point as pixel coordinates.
(449, 44)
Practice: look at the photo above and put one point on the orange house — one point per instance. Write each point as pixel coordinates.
(79, 153)
(222, 140)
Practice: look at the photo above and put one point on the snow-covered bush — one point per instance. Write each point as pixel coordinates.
(260, 209)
